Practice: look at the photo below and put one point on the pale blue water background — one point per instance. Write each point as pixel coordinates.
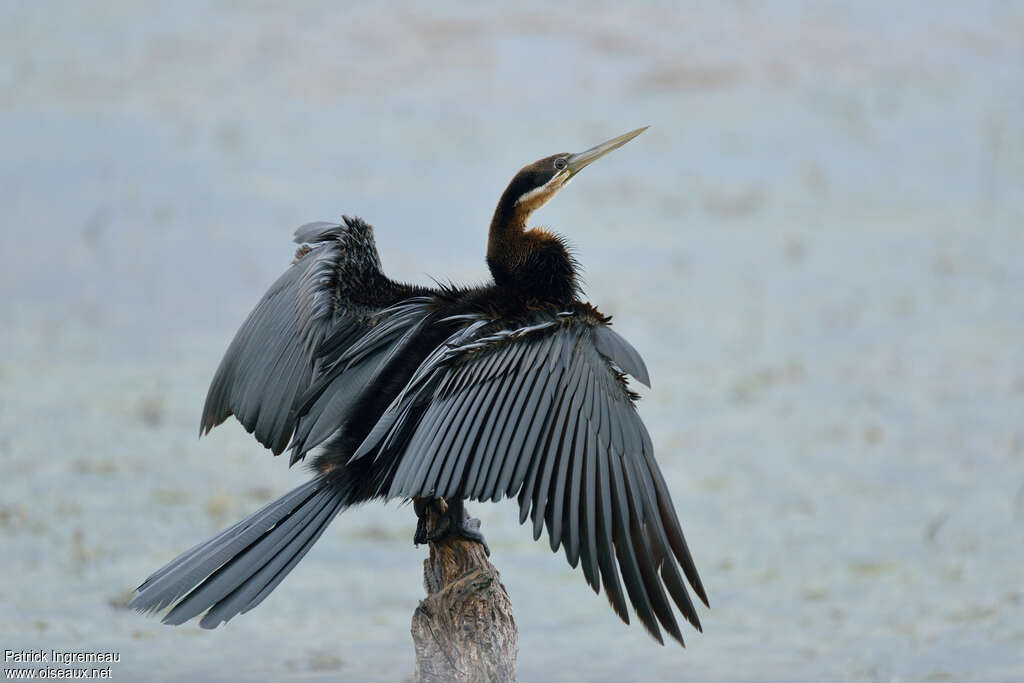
(818, 247)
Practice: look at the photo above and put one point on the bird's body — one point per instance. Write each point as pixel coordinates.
(516, 388)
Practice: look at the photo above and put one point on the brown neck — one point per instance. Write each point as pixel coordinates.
(506, 244)
(534, 263)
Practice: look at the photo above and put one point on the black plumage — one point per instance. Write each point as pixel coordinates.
(513, 389)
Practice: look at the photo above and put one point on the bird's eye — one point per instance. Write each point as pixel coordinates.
(560, 163)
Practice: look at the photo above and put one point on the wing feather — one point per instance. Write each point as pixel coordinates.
(588, 532)
(625, 552)
(561, 495)
(621, 352)
(555, 455)
(504, 461)
(281, 365)
(482, 461)
(463, 410)
(573, 528)
(543, 411)
(605, 542)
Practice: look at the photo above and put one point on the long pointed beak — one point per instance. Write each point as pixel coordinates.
(577, 162)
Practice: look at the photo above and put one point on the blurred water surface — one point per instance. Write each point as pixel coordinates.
(816, 246)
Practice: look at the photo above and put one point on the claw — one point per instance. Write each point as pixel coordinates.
(454, 520)
(422, 507)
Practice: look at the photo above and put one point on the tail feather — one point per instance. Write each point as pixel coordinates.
(236, 569)
(247, 566)
(175, 578)
(259, 586)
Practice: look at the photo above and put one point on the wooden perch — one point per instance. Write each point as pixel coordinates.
(464, 630)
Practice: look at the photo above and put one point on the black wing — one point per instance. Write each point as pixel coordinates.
(543, 411)
(329, 300)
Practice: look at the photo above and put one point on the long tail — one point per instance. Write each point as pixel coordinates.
(236, 569)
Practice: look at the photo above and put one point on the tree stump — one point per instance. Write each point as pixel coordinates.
(464, 630)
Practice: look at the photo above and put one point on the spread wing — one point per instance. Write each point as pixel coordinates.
(330, 300)
(543, 411)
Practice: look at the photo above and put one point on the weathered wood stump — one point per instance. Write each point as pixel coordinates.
(464, 630)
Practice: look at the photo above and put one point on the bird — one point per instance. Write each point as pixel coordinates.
(516, 388)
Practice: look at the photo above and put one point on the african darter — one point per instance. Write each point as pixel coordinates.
(516, 388)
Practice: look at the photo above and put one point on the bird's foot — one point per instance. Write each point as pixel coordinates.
(452, 518)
